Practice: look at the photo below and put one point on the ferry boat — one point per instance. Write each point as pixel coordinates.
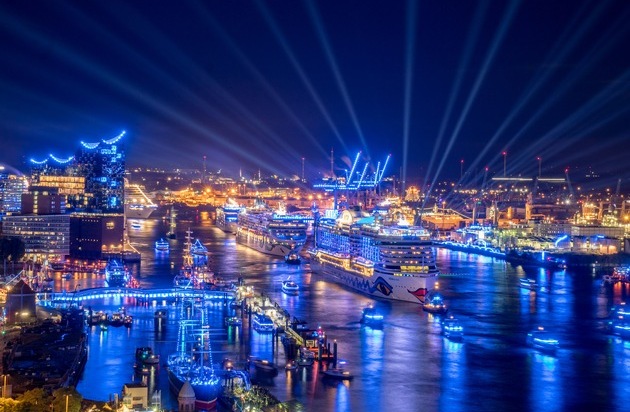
(162, 245)
(116, 319)
(272, 232)
(193, 361)
(227, 216)
(290, 287)
(262, 323)
(375, 255)
(116, 275)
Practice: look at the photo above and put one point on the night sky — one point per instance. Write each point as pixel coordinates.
(261, 84)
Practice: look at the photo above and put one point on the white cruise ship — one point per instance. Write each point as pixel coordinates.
(374, 256)
(227, 216)
(137, 204)
(271, 232)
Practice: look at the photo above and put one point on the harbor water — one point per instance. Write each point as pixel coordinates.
(405, 365)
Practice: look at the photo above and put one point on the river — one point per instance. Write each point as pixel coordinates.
(406, 365)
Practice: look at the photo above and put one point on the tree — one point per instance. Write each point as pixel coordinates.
(12, 249)
(74, 399)
(35, 400)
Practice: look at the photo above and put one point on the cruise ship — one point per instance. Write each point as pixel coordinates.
(375, 255)
(137, 203)
(272, 232)
(227, 216)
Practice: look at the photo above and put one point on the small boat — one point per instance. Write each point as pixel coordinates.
(435, 304)
(542, 340)
(145, 355)
(265, 367)
(116, 319)
(338, 373)
(293, 258)
(262, 323)
(233, 321)
(128, 321)
(528, 283)
(452, 329)
(290, 287)
(371, 317)
(305, 357)
(291, 365)
(162, 245)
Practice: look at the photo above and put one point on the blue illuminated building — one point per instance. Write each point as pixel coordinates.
(99, 167)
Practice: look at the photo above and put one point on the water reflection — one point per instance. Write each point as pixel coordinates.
(406, 365)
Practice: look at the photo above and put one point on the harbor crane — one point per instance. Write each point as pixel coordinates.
(571, 194)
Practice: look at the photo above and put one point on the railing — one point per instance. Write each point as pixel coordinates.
(100, 293)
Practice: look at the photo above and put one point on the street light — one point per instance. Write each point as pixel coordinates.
(504, 162)
(539, 164)
(67, 396)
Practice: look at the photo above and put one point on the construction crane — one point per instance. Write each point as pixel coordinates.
(613, 200)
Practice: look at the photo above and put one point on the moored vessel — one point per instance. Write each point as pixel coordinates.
(227, 216)
(272, 232)
(375, 255)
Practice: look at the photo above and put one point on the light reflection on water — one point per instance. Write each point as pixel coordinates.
(406, 365)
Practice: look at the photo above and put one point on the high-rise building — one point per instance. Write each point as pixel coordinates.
(92, 180)
(12, 185)
(43, 201)
(94, 234)
(45, 237)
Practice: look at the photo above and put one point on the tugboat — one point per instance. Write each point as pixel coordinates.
(371, 317)
(435, 304)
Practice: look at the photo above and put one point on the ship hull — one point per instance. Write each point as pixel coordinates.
(230, 227)
(138, 212)
(381, 285)
(267, 245)
(205, 396)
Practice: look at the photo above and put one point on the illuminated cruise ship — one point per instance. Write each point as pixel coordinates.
(137, 203)
(375, 256)
(271, 232)
(227, 216)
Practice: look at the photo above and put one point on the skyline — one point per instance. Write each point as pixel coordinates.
(261, 85)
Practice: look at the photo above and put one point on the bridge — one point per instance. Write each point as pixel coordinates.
(51, 299)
